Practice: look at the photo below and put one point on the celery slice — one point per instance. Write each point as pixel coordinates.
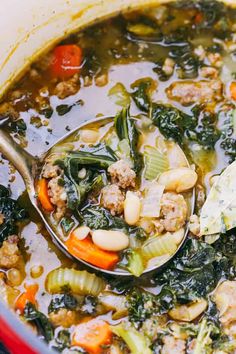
(155, 163)
(136, 341)
(159, 246)
(79, 282)
(120, 94)
(135, 263)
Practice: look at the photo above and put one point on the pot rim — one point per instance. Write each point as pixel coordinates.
(17, 337)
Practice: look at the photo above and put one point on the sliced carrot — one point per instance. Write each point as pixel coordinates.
(92, 335)
(198, 18)
(233, 90)
(27, 296)
(43, 195)
(66, 61)
(89, 252)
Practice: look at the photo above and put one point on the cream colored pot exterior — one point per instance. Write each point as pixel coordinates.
(29, 26)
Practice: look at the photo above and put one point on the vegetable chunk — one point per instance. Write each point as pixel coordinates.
(92, 335)
(67, 60)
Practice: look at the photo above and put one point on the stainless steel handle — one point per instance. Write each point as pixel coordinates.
(23, 161)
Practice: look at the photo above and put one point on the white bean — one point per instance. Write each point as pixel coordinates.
(36, 271)
(178, 179)
(82, 173)
(110, 240)
(132, 208)
(89, 136)
(81, 232)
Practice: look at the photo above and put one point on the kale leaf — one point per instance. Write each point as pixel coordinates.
(62, 340)
(195, 257)
(42, 323)
(78, 190)
(95, 160)
(141, 93)
(12, 212)
(126, 130)
(193, 273)
(59, 301)
(141, 306)
(100, 156)
(183, 128)
(18, 126)
(171, 121)
(187, 63)
(199, 126)
(97, 217)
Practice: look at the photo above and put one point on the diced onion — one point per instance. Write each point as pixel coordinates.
(151, 203)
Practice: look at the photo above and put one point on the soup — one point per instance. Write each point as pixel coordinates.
(168, 72)
(98, 188)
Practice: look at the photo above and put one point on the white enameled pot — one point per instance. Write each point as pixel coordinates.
(27, 28)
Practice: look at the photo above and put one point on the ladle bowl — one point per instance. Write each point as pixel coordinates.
(28, 166)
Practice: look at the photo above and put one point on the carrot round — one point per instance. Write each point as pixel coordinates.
(66, 61)
(89, 252)
(27, 296)
(92, 335)
(233, 90)
(198, 18)
(43, 195)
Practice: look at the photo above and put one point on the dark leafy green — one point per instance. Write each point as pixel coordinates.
(47, 112)
(62, 340)
(205, 131)
(195, 256)
(187, 63)
(143, 305)
(199, 126)
(92, 65)
(141, 93)
(170, 121)
(212, 12)
(194, 272)
(100, 156)
(138, 309)
(126, 129)
(59, 301)
(62, 109)
(42, 323)
(13, 213)
(97, 217)
(95, 159)
(67, 224)
(18, 126)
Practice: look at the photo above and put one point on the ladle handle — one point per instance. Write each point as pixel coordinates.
(23, 161)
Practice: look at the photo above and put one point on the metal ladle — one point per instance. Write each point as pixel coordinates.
(27, 166)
